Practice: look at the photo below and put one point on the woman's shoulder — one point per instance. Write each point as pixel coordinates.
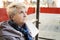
(8, 30)
(2, 24)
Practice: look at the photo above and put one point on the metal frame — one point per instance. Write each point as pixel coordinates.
(37, 17)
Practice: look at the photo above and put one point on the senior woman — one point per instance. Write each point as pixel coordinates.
(15, 28)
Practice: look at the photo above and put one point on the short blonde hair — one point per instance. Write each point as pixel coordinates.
(13, 7)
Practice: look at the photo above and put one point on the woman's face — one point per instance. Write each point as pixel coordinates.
(20, 17)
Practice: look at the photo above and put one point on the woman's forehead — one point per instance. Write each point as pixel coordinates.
(23, 9)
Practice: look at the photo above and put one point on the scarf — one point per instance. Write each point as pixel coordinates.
(24, 30)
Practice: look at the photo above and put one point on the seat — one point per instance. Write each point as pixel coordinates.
(3, 15)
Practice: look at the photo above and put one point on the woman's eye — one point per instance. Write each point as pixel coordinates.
(21, 12)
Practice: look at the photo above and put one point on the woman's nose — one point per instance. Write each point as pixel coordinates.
(25, 14)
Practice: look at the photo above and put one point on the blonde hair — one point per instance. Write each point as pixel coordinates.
(13, 8)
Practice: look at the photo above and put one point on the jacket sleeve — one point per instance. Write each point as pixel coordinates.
(10, 38)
